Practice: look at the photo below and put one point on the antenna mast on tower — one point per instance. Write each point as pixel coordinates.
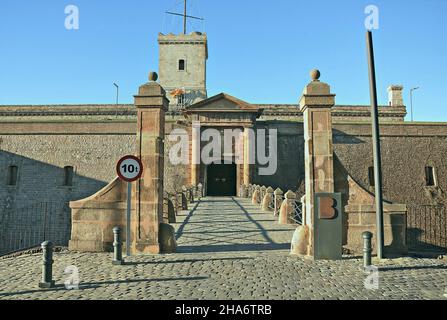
(185, 16)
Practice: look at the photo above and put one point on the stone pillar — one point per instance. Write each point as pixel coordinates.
(316, 103)
(268, 198)
(250, 190)
(256, 194)
(262, 195)
(195, 153)
(151, 104)
(286, 209)
(248, 154)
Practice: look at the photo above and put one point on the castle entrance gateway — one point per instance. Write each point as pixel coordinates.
(222, 113)
(221, 180)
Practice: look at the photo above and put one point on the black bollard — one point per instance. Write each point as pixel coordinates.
(47, 266)
(117, 247)
(367, 250)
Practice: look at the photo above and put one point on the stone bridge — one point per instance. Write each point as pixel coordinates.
(231, 225)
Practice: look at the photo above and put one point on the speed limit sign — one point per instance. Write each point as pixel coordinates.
(129, 168)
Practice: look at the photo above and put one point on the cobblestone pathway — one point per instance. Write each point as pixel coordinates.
(219, 258)
(226, 225)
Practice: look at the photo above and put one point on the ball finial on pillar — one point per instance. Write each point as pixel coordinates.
(315, 74)
(153, 76)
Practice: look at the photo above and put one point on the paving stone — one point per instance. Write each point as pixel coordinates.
(224, 253)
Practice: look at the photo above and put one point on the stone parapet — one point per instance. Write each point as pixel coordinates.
(94, 218)
(362, 217)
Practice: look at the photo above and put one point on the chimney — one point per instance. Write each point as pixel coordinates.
(395, 98)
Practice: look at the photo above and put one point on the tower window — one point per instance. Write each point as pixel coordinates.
(371, 180)
(68, 176)
(430, 180)
(12, 175)
(181, 64)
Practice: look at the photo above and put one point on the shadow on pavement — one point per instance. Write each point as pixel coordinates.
(95, 285)
(401, 268)
(234, 247)
(132, 263)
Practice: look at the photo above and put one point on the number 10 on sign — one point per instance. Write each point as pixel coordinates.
(129, 169)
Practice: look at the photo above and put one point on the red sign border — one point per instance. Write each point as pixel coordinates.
(118, 165)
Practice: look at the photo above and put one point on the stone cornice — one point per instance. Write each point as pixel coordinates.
(130, 110)
(337, 111)
(66, 110)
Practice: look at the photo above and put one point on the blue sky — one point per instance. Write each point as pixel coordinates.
(259, 51)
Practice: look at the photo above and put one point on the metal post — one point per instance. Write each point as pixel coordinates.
(184, 19)
(47, 266)
(128, 218)
(184, 199)
(179, 201)
(367, 250)
(376, 146)
(117, 92)
(117, 98)
(117, 247)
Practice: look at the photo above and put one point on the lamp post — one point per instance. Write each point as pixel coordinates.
(117, 96)
(376, 147)
(411, 101)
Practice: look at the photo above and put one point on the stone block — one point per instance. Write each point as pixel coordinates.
(300, 241)
(145, 247)
(320, 122)
(86, 230)
(353, 218)
(89, 246)
(167, 239)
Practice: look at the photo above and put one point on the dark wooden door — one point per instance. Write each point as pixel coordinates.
(222, 180)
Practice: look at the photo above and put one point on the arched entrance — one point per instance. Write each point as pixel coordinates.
(221, 180)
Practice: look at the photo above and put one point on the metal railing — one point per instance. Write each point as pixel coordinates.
(427, 227)
(271, 204)
(288, 209)
(297, 213)
(29, 226)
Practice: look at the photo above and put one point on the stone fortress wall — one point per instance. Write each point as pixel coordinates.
(42, 144)
(37, 205)
(407, 149)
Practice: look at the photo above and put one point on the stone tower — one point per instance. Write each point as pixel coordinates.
(182, 68)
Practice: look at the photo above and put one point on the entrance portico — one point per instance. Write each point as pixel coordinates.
(231, 120)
